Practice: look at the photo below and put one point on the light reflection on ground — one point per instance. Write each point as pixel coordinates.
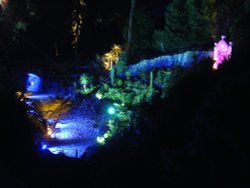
(71, 139)
(41, 96)
(74, 132)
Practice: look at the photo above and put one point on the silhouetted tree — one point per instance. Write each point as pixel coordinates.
(188, 25)
(130, 24)
(141, 35)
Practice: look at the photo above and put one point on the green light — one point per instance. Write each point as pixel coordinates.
(98, 95)
(100, 140)
(106, 135)
(111, 110)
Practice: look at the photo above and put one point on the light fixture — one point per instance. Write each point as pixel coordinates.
(111, 110)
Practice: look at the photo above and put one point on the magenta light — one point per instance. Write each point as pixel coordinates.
(222, 52)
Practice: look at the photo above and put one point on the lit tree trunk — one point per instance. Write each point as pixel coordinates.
(112, 76)
(130, 23)
(77, 20)
(151, 85)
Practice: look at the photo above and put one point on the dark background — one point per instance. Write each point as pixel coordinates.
(197, 137)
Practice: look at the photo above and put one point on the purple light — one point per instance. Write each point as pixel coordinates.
(222, 52)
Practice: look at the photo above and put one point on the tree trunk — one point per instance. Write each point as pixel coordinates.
(112, 75)
(151, 85)
(130, 23)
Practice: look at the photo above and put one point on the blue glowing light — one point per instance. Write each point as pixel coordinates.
(41, 96)
(44, 146)
(33, 83)
(111, 110)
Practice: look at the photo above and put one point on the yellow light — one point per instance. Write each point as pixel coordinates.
(49, 131)
(116, 50)
(27, 94)
(108, 59)
(82, 3)
(18, 94)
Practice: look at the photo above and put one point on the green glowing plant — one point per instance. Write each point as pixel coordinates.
(86, 82)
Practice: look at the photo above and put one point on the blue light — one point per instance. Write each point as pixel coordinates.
(111, 110)
(33, 83)
(44, 146)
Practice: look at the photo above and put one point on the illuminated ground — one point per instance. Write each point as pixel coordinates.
(74, 132)
(73, 135)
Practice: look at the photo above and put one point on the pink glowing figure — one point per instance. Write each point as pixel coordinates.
(222, 52)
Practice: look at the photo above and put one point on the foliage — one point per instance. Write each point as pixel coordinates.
(166, 79)
(237, 15)
(85, 79)
(121, 64)
(141, 38)
(188, 25)
(131, 93)
(77, 20)
(110, 58)
(87, 85)
(119, 82)
(14, 21)
(45, 114)
(53, 108)
(120, 121)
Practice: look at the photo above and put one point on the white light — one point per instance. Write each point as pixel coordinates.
(106, 135)
(98, 95)
(100, 139)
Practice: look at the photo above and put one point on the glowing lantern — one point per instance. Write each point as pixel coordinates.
(222, 52)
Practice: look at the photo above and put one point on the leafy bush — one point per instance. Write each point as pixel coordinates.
(128, 92)
(86, 82)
